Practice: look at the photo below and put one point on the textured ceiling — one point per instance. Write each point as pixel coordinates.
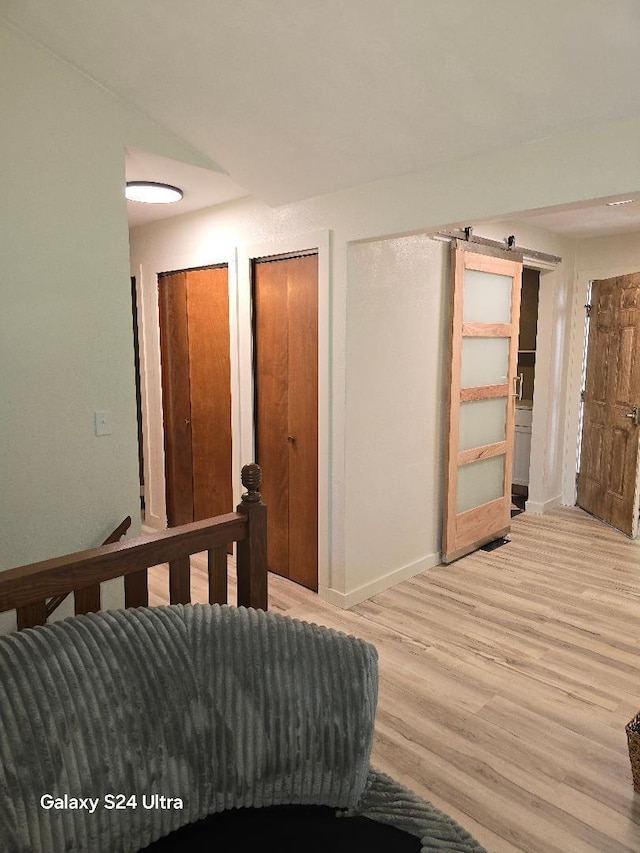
(296, 98)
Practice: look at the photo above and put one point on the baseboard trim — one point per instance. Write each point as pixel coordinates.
(540, 508)
(346, 600)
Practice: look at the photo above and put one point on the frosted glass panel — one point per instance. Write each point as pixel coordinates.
(480, 482)
(487, 297)
(485, 361)
(482, 422)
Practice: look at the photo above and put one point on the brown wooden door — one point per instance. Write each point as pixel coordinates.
(608, 478)
(285, 303)
(196, 393)
(485, 315)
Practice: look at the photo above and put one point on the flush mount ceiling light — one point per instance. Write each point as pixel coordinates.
(151, 192)
(616, 203)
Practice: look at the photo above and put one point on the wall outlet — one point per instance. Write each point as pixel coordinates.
(103, 423)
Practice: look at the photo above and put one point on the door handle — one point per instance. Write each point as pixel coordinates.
(634, 416)
(517, 386)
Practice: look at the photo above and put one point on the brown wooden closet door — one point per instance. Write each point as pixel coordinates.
(176, 398)
(271, 401)
(210, 378)
(286, 377)
(196, 386)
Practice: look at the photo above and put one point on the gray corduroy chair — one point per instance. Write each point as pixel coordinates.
(181, 712)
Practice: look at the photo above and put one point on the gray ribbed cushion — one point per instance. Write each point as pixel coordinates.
(388, 801)
(220, 706)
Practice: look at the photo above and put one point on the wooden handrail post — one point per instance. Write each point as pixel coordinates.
(252, 550)
(31, 615)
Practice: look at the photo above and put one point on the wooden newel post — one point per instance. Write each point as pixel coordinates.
(252, 551)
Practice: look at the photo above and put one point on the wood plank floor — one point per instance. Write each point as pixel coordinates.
(506, 681)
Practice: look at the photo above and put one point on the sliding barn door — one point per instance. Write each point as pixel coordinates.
(608, 482)
(196, 393)
(483, 356)
(285, 304)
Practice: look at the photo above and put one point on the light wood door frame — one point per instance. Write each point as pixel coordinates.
(608, 483)
(466, 531)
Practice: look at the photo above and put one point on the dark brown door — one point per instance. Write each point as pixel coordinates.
(608, 477)
(196, 393)
(285, 303)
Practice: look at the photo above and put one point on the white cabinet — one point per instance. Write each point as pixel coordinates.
(522, 448)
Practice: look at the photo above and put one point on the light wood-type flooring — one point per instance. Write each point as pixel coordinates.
(506, 681)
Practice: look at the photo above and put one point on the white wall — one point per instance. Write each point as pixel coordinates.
(66, 334)
(397, 321)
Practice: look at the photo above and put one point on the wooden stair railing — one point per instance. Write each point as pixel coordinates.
(86, 600)
(26, 588)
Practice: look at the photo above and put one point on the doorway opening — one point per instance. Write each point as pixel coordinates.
(526, 367)
(583, 377)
